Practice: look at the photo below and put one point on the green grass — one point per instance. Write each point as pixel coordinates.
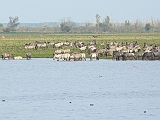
(14, 42)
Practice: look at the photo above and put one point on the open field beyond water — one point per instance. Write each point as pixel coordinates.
(14, 43)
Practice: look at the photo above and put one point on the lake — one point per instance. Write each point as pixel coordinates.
(44, 89)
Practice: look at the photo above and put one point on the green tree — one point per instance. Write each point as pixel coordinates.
(66, 26)
(13, 23)
(147, 27)
(6, 29)
(107, 21)
(106, 24)
(98, 20)
(1, 25)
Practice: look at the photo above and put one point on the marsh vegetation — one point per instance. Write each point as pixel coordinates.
(15, 43)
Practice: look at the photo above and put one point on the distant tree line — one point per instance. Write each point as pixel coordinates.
(68, 26)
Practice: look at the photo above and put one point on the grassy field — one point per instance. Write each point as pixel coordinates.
(14, 43)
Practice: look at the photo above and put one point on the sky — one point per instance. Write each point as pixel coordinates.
(37, 11)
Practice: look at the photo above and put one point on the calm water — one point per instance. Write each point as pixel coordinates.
(43, 89)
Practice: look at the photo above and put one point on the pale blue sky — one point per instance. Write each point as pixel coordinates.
(34, 11)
